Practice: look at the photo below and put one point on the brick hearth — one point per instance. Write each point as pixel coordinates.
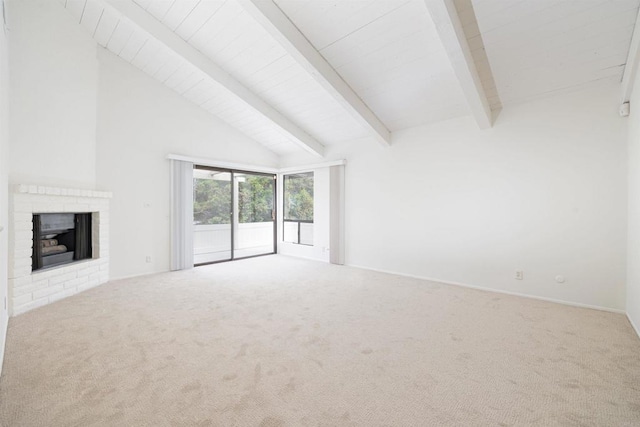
(29, 290)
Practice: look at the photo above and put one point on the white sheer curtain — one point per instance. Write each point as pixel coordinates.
(336, 215)
(181, 215)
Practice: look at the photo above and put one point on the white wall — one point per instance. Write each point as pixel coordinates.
(53, 96)
(82, 118)
(4, 175)
(543, 191)
(633, 255)
(140, 121)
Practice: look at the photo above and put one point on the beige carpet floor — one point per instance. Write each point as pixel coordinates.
(277, 341)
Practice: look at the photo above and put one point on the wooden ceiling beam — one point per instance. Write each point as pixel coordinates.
(280, 27)
(631, 66)
(175, 43)
(451, 33)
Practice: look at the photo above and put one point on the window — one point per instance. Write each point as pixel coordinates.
(298, 208)
(211, 197)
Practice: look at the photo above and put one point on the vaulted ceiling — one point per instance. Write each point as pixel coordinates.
(306, 74)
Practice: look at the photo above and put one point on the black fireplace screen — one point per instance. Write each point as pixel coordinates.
(60, 238)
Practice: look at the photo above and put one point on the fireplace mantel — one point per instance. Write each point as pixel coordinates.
(27, 289)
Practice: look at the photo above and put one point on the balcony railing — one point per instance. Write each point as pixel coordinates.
(212, 242)
(298, 231)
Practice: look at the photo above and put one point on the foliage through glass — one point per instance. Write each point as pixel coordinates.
(298, 197)
(212, 198)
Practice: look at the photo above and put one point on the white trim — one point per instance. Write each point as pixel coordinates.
(4, 336)
(57, 191)
(133, 276)
(631, 64)
(312, 166)
(308, 258)
(499, 291)
(633, 325)
(221, 164)
(157, 30)
(280, 27)
(253, 168)
(451, 33)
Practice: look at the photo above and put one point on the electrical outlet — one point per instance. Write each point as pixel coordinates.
(148, 259)
(519, 275)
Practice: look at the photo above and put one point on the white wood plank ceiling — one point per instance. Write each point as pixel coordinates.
(384, 65)
(232, 39)
(536, 48)
(388, 52)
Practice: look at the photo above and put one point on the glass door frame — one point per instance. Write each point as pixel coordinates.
(232, 223)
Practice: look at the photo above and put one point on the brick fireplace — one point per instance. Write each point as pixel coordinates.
(30, 289)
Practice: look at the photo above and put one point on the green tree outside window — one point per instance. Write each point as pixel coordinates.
(298, 197)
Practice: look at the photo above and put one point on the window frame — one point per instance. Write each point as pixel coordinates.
(284, 210)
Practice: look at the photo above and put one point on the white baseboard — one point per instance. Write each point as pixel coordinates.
(499, 291)
(304, 257)
(3, 333)
(133, 276)
(633, 325)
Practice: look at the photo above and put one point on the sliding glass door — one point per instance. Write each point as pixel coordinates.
(255, 217)
(234, 215)
(212, 211)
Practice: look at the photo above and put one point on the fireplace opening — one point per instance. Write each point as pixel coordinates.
(60, 238)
